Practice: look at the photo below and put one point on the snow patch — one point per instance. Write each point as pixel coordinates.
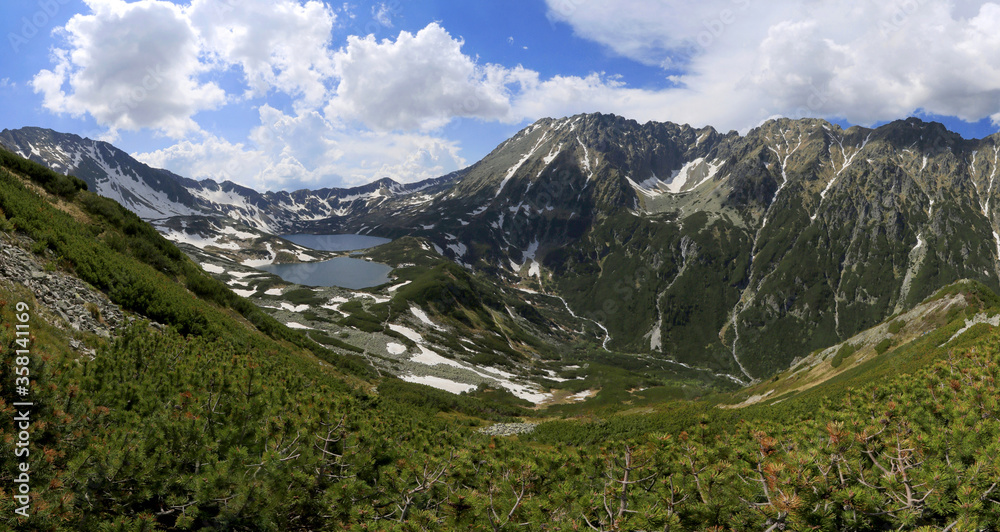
(688, 178)
(375, 298)
(395, 349)
(582, 396)
(395, 287)
(499, 377)
(196, 240)
(553, 376)
(407, 332)
(244, 293)
(585, 162)
(261, 262)
(514, 169)
(440, 383)
(422, 316)
(432, 358)
(228, 230)
(459, 249)
(552, 155)
(212, 268)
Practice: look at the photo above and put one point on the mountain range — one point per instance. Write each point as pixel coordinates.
(738, 253)
(166, 385)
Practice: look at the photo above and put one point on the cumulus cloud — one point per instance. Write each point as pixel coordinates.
(862, 61)
(279, 45)
(418, 81)
(143, 65)
(309, 151)
(363, 108)
(139, 65)
(210, 158)
(130, 66)
(333, 153)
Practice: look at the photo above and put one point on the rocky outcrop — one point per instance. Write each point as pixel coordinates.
(508, 429)
(76, 304)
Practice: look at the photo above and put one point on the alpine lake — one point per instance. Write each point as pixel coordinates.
(345, 272)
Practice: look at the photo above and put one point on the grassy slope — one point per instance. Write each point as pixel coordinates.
(221, 364)
(543, 334)
(225, 427)
(796, 393)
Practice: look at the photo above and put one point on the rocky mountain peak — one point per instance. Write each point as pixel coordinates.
(736, 253)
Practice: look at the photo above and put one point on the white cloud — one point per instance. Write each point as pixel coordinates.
(370, 108)
(308, 151)
(383, 14)
(351, 157)
(642, 30)
(140, 65)
(743, 61)
(130, 66)
(211, 158)
(419, 81)
(279, 45)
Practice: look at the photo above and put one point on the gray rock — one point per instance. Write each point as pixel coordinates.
(63, 296)
(508, 429)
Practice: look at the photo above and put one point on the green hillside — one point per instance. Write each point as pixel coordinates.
(206, 414)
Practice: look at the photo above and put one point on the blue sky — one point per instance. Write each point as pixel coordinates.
(294, 93)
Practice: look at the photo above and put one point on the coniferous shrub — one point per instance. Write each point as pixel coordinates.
(883, 346)
(54, 183)
(845, 351)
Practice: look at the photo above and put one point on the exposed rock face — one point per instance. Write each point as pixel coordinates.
(508, 429)
(73, 302)
(157, 194)
(735, 253)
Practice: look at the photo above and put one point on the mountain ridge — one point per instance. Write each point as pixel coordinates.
(727, 251)
(116, 174)
(219, 417)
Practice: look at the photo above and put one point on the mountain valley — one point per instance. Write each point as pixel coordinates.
(731, 253)
(526, 361)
